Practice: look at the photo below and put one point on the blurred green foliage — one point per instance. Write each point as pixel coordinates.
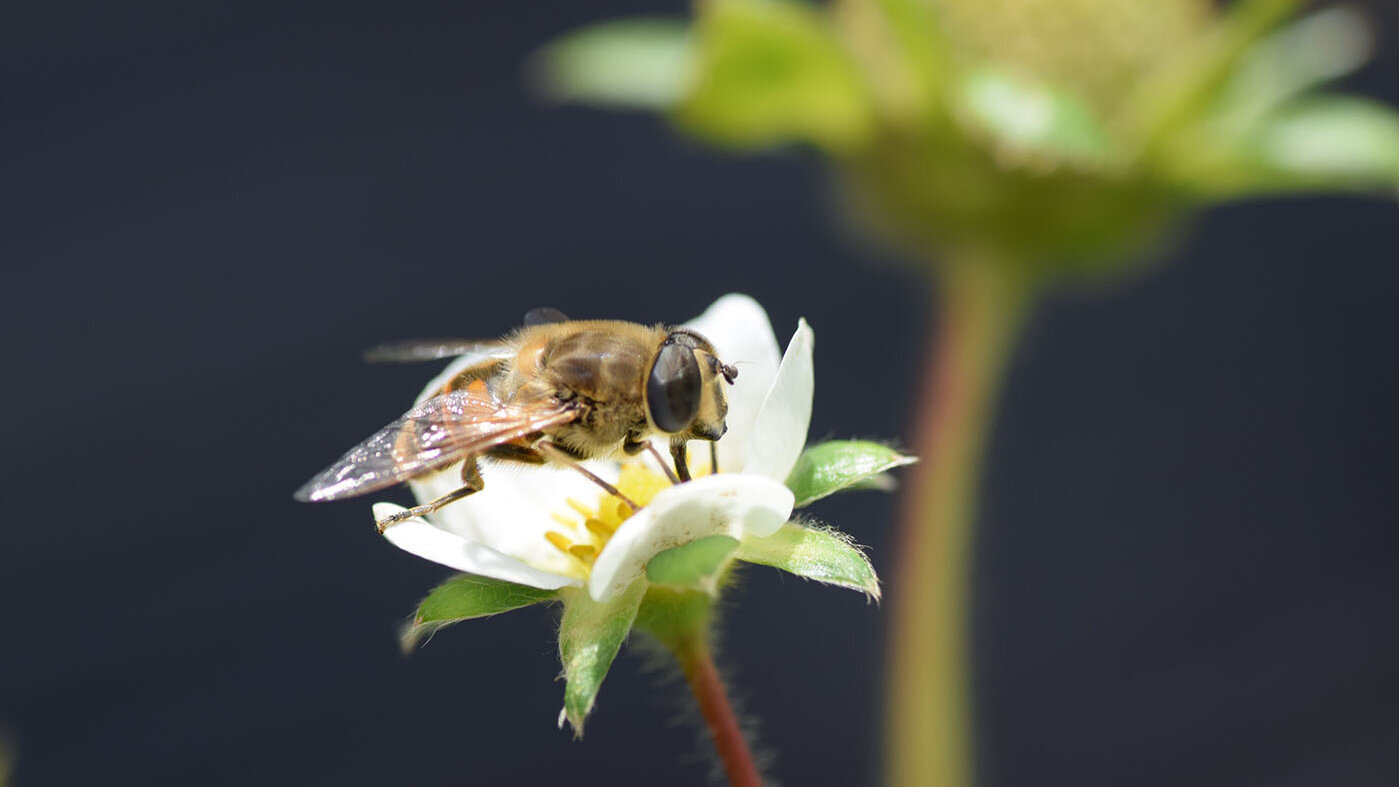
(1043, 135)
(999, 143)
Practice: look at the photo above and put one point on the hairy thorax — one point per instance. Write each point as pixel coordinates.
(598, 369)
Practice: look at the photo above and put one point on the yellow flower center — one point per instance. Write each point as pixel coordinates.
(584, 530)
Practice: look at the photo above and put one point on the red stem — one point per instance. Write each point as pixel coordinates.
(709, 692)
(928, 726)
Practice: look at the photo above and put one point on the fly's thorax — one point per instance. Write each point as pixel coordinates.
(605, 362)
(597, 367)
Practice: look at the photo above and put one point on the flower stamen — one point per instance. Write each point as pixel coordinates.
(600, 528)
(560, 541)
(584, 552)
(586, 540)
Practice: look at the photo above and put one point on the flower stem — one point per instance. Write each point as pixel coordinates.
(928, 724)
(713, 700)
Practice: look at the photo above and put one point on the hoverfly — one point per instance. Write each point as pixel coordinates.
(555, 391)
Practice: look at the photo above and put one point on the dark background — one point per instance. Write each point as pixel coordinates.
(1187, 571)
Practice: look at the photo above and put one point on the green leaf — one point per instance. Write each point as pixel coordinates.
(642, 64)
(879, 483)
(695, 563)
(1334, 141)
(823, 555)
(1233, 148)
(467, 596)
(917, 42)
(1321, 47)
(1182, 90)
(830, 467)
(773, 71)
(1032, 119)
(590, 636)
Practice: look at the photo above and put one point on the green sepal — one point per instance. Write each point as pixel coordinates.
(832, 466)
(919, 45)
(1032, 121)
(1331, 141)
(468, 596)
(1269, 131)
(590, 636)
(1183, 89)
(644, 64)
(879, 483)
(1318, 48)
(696, 564)
(771, 72)
(674, 615)
(823, 555)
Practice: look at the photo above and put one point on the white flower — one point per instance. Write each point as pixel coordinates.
(537, 527)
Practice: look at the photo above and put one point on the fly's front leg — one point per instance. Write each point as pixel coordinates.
(678, 453)
(634, 445)
(563, 457)
(472, 482)
(660, 460)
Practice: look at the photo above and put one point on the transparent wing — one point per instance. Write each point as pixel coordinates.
(413, 350)
(434, 434)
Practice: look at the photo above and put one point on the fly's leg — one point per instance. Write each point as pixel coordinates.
(682, 465)
(660, 460)
(563, 457)
(679, 451)
(471, 484)
(633, 445)
(514, 452)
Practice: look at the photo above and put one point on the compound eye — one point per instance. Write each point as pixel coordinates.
(674, 388)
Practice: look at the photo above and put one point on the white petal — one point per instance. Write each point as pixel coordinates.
(726, 504)
(516, 509)
(740, 331)
(780, 431)
(422, 539)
